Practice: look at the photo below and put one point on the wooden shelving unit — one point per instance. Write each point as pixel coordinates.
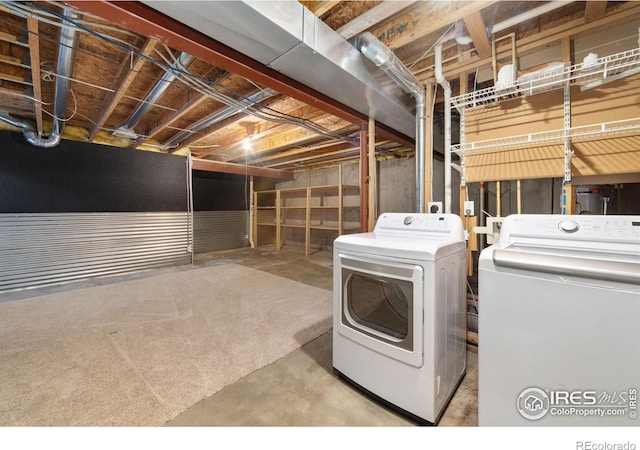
(310, 211)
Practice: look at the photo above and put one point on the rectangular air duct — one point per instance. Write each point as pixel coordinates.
(287, 37)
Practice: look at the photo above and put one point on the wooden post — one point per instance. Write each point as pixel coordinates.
(568, 199)
(255, 219)
(364, 173)
(371, 219)
(307, 228)
(498, 199)
(278, 220)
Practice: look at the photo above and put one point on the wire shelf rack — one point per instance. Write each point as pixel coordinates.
(553, 137)
(586, 74)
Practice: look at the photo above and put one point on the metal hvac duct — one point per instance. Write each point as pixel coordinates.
(69, 37)
(287, 37)
(384, 58)
(182, 64)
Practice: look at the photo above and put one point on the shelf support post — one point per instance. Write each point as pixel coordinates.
(364, 174)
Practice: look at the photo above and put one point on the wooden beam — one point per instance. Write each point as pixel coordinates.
(239, 169)
(565, 44)
(372, 17)
(12, 39)
(322, 7)
(351, 150)
(478, 32)
(625, 13)
(34, 56)
(340, 146)
(121, 84)
(594, 10)
(11, 60)
(371, 165)
(290, 135)
(276, 102)
(146, 21)
(14, 79)
(423, 19)
(364, 182)
(185, 109)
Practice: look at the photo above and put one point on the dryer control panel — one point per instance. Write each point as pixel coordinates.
(410, 224)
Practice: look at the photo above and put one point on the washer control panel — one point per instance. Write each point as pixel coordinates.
(575, 227)
(569, 226)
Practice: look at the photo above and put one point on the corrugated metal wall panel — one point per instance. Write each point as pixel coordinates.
(220, 230)
(46, 249)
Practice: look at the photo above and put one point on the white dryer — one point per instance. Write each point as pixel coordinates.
(399, 322)
(559, 334)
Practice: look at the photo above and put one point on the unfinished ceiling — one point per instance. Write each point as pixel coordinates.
(140, 79)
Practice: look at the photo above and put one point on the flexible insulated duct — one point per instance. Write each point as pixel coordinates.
(69, 37)
(182, 64)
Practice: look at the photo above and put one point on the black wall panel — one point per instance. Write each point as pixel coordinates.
(82, 177)
(213, 191)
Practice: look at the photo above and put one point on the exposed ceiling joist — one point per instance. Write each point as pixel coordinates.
(12, 39)
(121, 85)
(324, 6)
(423, 19)
(187, 108)
(624, 13)
(478, 33)
(142, 19)
(34, 57)
(594, 10)
(239, 169)
(372, 17)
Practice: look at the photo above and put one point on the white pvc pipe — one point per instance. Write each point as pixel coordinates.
(447, 125)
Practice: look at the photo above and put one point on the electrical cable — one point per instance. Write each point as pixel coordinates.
(475, 300)
(245, 105)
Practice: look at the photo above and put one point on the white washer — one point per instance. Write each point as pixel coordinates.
(399, 326)
(559, 340)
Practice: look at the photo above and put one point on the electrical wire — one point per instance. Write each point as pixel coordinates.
(475, 300)
(203, 86)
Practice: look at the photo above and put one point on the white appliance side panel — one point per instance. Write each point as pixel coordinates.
(555, 334)
(449, 325)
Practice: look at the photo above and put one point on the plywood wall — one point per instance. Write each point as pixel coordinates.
(595, 155)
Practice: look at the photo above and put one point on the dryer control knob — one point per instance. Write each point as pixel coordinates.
(569, 226)
(408, 220)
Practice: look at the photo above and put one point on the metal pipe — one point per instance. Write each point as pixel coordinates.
(384, 58)
(181, 64)
(69, 37)
(219, 116)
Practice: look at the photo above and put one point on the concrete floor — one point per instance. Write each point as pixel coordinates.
(300, 389)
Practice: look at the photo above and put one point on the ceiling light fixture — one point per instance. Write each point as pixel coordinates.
(246, 142)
